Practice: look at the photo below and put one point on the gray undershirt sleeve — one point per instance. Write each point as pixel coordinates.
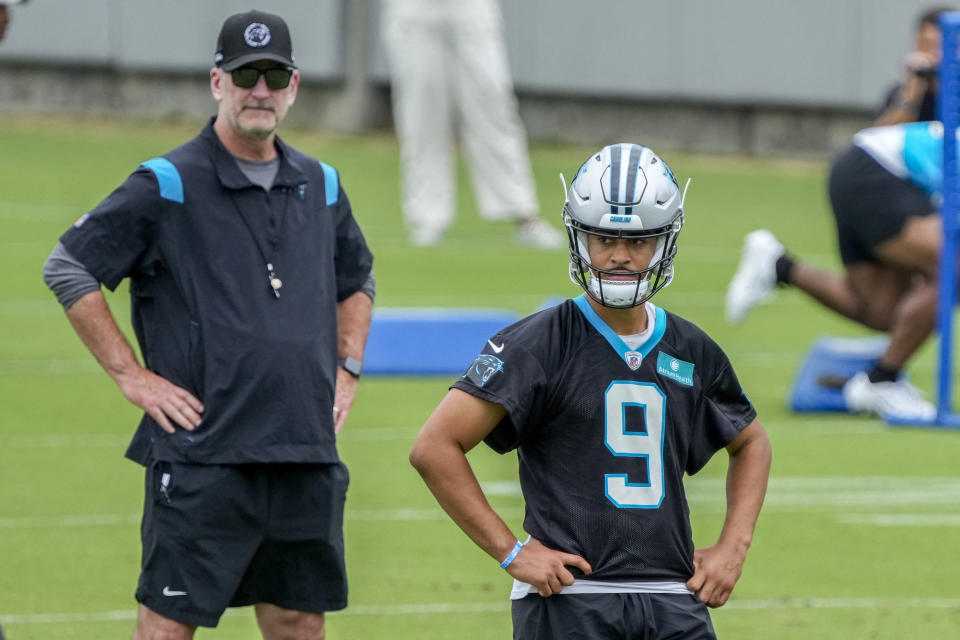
(370, 286)
(67, 277)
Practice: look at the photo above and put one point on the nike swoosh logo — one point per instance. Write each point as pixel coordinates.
(167, 591)
(495, 348)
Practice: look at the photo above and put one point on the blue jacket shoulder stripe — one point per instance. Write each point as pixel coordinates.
(331, 183)
(168, 177)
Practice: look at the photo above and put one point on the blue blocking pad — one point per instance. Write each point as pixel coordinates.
(421, 342)
(829, 362)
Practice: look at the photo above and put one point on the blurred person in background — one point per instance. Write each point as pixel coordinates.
(449, 74)
(914, 99)
(5, 18)
(885, 191)
(251, 287)
(609, 402)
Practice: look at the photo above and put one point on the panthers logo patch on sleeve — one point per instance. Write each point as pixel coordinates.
(483, 368)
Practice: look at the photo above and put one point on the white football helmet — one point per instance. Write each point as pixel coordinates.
(623, 191)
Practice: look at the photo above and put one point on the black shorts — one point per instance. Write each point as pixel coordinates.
(870, 204)
(234, 535)
(611, 616)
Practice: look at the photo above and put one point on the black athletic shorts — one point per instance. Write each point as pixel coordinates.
(870, 204)
(609, 616)
(234, 535)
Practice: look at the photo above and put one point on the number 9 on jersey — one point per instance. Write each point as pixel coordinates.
(624, 439)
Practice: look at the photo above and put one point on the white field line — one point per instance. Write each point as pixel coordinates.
(844, 603)
(531, 301)
(399, 515)
(65, 521)
(790, 493)
(42, 212)
(77, 366)
(810, 426)
(30, 306)
(10, 620)
(841, 425)
(87, 364)
(379, 434)
(65, 440)
(31, 249)
(903, 519)
(59, 366)
(107, 440)
(875, 497)
(447, 608)
(436, 514)
(430, 514)
(822, 426)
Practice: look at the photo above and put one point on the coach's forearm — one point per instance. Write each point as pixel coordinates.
(158, 397)
(353, 325)
(94, 323)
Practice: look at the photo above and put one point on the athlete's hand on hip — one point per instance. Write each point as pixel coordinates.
(716, 571)
(161, 399)
(546, 569)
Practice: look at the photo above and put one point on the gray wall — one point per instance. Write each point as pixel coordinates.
(170, 35)
(808, 52)
(835, 53)
(743, 74)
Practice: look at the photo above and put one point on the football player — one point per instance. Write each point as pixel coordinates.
(885, 192)
(608, 400)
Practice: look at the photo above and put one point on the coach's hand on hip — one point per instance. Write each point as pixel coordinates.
(161, 399)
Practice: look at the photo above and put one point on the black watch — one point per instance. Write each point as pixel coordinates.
(351, 366)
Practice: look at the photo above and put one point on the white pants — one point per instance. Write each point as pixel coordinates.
(449, 68)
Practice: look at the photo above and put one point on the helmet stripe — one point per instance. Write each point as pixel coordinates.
(624, 172)
(614, 177)
(633, 168)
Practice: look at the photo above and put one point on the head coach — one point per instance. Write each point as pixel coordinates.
(251, 287)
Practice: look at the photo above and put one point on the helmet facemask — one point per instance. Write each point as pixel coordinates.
(639, 286)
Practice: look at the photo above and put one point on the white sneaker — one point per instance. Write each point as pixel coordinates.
(885, 399)
(426, 236)
(537, 233)
(756, 275)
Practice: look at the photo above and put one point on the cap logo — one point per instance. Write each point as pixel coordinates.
(257, 34)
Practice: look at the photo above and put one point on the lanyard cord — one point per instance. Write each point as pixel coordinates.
(275, 282)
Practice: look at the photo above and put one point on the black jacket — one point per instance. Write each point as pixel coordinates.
(194, 236)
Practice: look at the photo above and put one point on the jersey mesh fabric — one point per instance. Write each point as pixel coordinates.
(555, 379)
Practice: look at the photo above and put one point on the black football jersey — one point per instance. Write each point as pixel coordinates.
(604, 433)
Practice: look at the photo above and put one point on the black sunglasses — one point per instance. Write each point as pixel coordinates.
(247, 77)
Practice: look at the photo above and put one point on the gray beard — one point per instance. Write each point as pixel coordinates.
(255, 134)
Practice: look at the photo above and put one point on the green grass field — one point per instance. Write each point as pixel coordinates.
(858, 539)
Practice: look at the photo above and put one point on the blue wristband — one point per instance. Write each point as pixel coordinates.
(513, 554)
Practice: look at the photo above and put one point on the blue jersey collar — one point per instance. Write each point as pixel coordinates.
(615, 341)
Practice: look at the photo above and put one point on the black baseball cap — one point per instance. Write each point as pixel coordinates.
(251, 36)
